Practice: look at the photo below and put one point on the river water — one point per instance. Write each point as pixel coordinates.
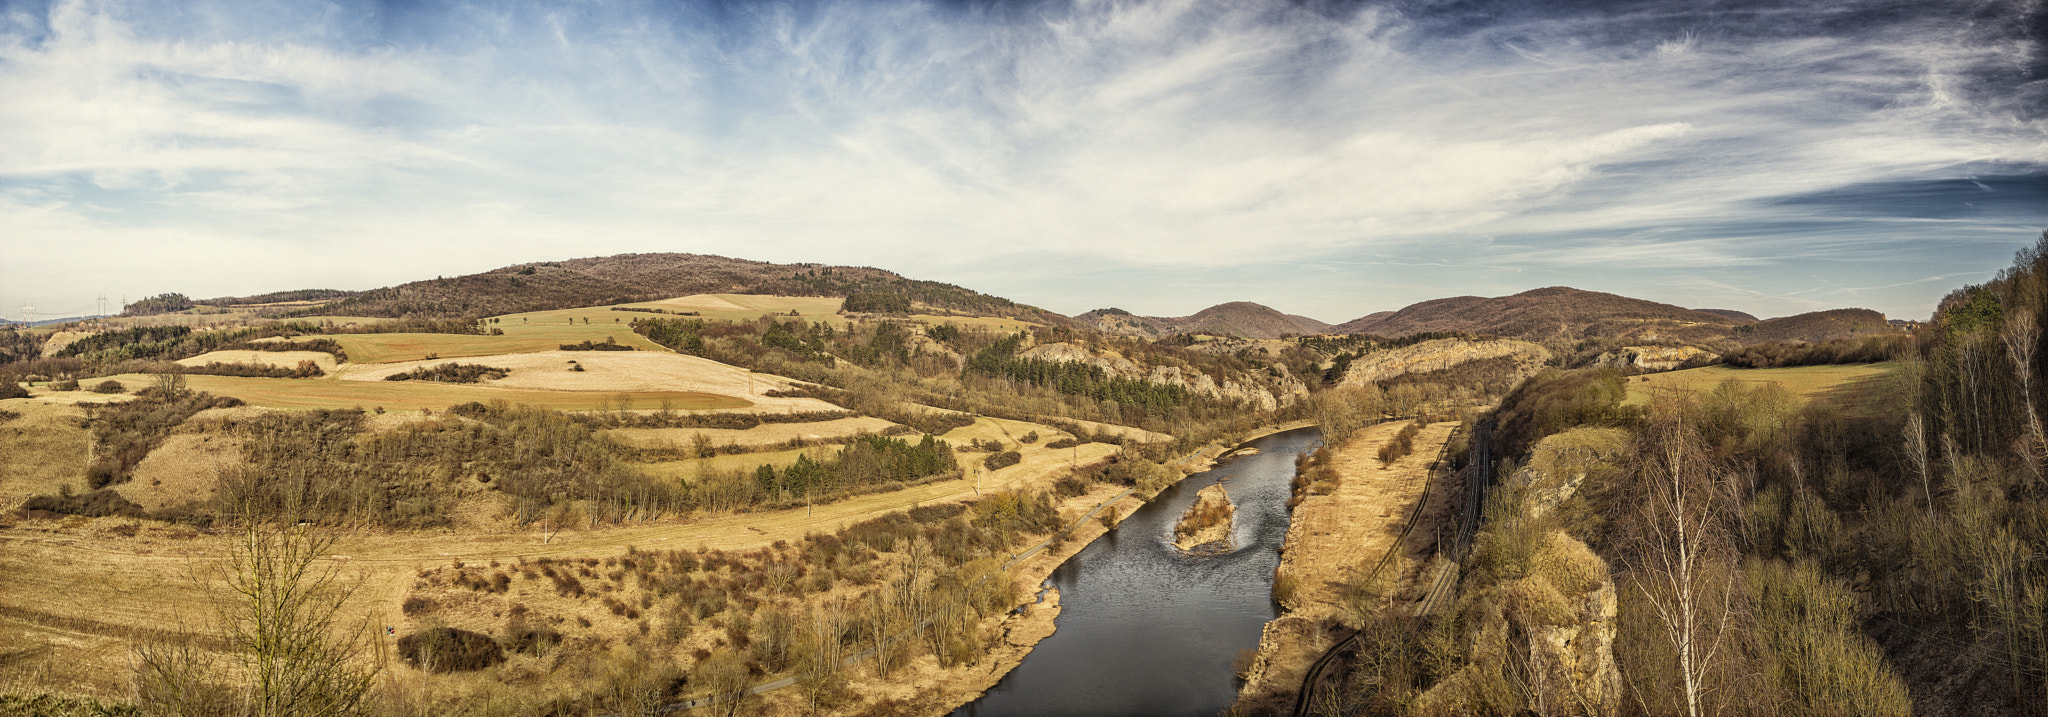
(1146, 630)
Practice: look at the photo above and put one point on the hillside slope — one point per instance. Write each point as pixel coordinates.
(644, 277)
(1740, 317)
(1818, 326)
(1237, 318)
(1551, 312)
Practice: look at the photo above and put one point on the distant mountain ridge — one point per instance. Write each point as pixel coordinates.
(1559, 312)
(623, 278)
(1537, 314)
(1237, 318)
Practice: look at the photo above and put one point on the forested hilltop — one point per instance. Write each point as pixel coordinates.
(626, 278)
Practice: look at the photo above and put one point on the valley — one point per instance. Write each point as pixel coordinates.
(851, 504)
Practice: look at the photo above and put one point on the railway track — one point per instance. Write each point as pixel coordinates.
(1445, 579)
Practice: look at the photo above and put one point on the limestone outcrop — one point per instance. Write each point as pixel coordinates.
(1442, 354)
(1551, 631)
(1648, 358)
(1283, 390)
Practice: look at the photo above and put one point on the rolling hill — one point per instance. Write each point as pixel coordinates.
(626, 278)
(1740, 317)
(1818, 326)
(1237, 318)
(1551, 312)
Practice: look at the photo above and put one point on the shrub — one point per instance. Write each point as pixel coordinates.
(1005, 459)
(1069, 485)
(448, 649)
(95, 504)
(610, 344)
(69, 384)
(109, 386)
(10, 389)
(1284, 586)
(1402, 445)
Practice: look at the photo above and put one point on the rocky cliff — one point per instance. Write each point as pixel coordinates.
(1441, 355)
(1648, 358)
(1264, 391)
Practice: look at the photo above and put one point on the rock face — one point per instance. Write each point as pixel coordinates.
(1552, 631)
(1284, 390)
(1207, 526)
(1441, 354)
(1560, 463)
(1648, 358)
(1571, 667)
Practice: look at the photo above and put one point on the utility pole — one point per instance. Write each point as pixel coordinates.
(28, 313)
(100, 305)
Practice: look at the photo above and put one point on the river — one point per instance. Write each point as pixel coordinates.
(1146, 630)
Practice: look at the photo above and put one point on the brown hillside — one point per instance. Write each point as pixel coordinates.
(1818, 326)
(1237, 318)
(1740, 317)
(645, 277)
(1552, 312)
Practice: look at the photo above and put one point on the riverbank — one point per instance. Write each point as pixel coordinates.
(921, 686)
(1335, 537)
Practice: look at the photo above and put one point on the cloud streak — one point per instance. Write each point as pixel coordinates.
(1171, 145)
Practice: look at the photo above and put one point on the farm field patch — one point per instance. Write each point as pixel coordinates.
(415, 395)
(388, 348)
(631, 372)
(690, 468)
(283, 359)
(715, 307)
(766, 434)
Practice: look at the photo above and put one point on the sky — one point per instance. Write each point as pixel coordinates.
(1329, 159)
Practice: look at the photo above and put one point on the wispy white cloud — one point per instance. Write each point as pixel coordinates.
(1183, 138)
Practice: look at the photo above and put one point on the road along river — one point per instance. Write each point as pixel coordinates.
(1147, 630)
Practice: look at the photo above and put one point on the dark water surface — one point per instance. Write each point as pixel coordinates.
(1145, 630)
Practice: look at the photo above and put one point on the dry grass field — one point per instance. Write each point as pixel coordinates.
(714, 307)
(415, 395)
(689, 469)
(632, 372)
(766, 434)
(44, 449)
(1852, 386)
(124, 580)
(388, 348)
(285, 359)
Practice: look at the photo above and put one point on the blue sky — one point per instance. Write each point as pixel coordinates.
(1324, 158)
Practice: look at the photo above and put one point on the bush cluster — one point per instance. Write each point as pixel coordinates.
(452, 373)
(999, 461)
(1869, 349)
(609, 344)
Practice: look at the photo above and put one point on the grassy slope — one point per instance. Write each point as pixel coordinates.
(1843, 384)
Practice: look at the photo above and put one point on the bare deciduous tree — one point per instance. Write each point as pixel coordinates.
(1682, 560)
(283, 624)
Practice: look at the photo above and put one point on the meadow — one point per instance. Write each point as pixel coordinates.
(1841, 384)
